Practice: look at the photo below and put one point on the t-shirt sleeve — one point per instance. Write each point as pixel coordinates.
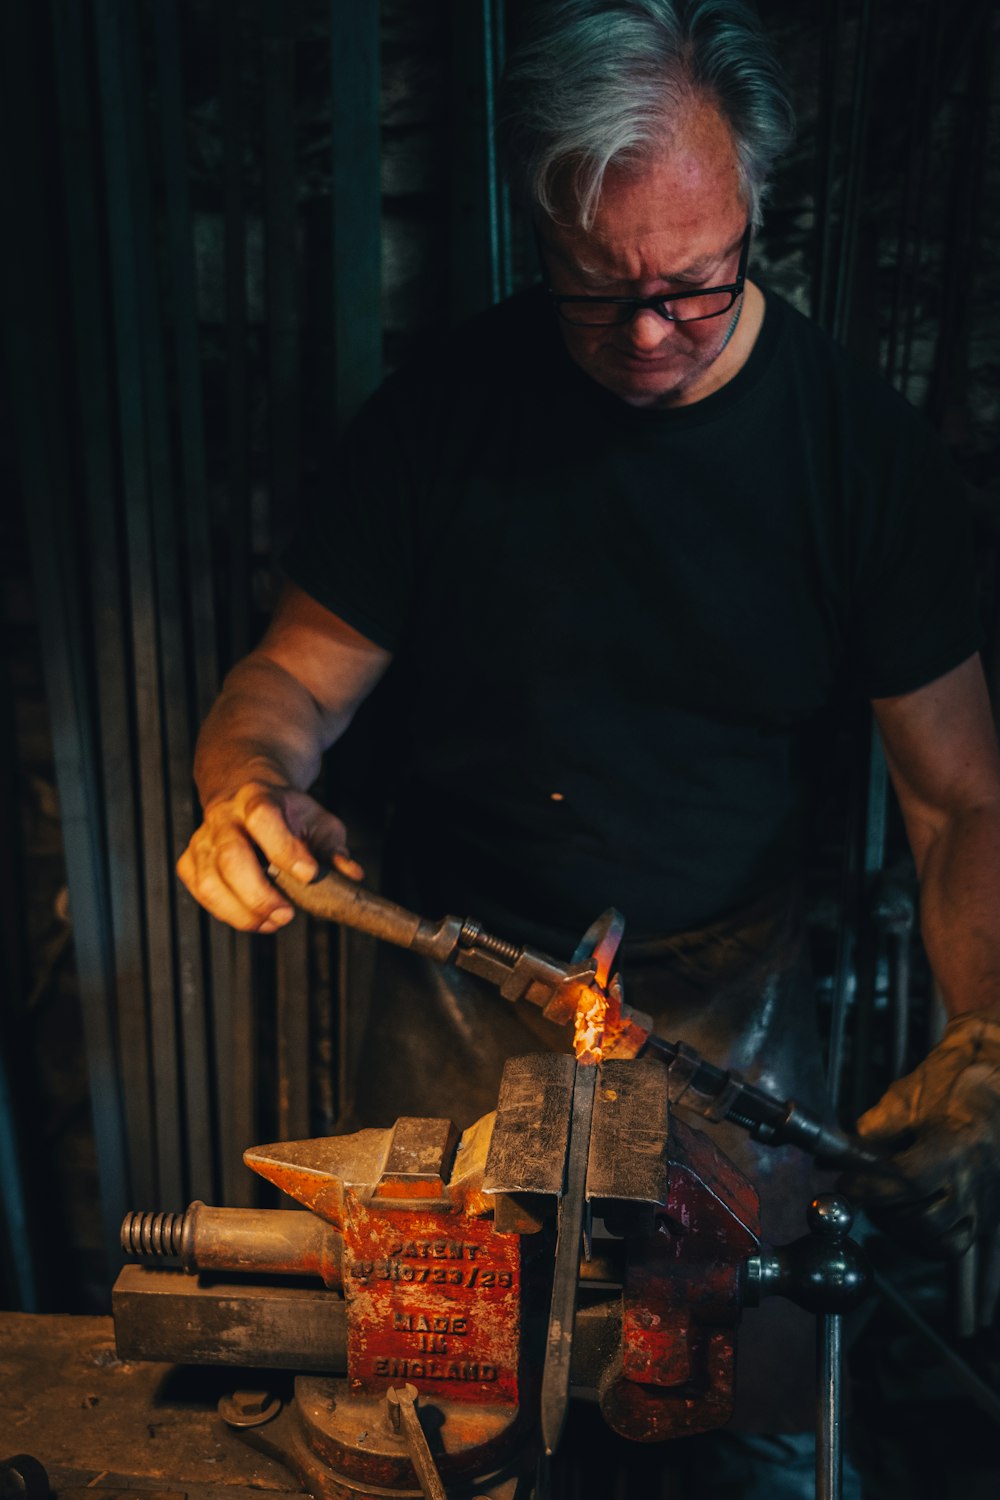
(355, 548)
(915, 615)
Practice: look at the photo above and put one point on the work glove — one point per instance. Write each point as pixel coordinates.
(940, 1129)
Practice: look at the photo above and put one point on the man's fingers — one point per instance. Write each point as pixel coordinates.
(348, 866)
(221, 870)
(267, 826)
(890, 1118)
(260, 824)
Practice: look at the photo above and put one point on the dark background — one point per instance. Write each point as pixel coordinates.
(223, 221)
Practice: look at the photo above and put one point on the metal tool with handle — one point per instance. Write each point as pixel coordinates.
(559, 988)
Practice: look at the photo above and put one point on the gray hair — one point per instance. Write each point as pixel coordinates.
(601, 82)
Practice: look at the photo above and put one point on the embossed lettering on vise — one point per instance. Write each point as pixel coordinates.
(432, 1302)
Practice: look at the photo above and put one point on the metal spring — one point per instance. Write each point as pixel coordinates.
(473, 936)
(152, 1234)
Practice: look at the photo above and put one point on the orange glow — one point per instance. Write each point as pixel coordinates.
(588, 1025)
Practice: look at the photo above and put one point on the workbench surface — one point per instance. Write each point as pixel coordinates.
(93, 1421)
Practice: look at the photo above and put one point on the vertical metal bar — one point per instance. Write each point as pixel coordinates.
(935, 19)
(94, 397)
(854, 182)
(19, 1241)
(355, 202)
(283, 383)
(480, 213)
(278, 60)
(125, 167)
(902, 269)
(829, 1435)
(293, 1030)
(229, 16)
(234, 1033)
(832, 41)
(498, 194)
(192, 497)
(235, 1048)
(175, 498)
(42, 437)
(868, 950)
(15, 1243)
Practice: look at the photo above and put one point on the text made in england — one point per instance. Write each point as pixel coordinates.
(434, 1369)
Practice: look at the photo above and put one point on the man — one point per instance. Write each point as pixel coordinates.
(627, 539)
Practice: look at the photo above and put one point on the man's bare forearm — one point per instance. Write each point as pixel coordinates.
(266, 727)
(960, 909)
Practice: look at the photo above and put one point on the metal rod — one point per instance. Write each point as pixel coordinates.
(829, 1411)
(355, 200)
(832, 36)
(404, 1400)
(41, 434)
(562, 1314)
(854, 183)
(108, 633)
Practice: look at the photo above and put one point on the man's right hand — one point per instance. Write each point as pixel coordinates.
(222, 868)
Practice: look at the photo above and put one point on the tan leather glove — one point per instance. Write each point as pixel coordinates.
(940, 1128)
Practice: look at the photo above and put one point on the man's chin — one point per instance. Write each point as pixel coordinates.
(661, 385)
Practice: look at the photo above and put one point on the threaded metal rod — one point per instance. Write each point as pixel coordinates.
(473, 936)
(151, 1235)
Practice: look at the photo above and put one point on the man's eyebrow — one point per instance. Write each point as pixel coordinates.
(699, 267)
(600, 276)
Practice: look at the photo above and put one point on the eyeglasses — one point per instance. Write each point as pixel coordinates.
(676, 307)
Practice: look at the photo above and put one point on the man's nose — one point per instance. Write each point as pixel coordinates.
(647, 330)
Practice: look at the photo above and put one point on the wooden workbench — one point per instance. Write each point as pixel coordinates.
(93, 1421)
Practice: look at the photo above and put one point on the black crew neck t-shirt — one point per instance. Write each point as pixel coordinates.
(616, 631)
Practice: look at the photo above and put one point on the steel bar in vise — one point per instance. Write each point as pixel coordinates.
(93, 394)
(572, 1212)
(42, 435)
(355, 204)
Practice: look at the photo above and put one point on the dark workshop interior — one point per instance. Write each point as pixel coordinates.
(227, 220)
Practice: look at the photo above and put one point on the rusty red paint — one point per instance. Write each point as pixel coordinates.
(433, 1298)
(681, 1300)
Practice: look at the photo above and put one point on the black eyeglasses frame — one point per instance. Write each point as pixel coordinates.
(631, 305)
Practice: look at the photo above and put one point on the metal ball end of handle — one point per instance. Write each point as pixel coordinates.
(824, 1272)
